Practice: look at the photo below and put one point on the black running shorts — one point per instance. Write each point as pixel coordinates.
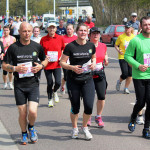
(22, 95)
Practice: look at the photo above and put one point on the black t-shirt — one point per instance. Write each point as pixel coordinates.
(61, 31)
(79, 54)
(1, 47)
(18, 53)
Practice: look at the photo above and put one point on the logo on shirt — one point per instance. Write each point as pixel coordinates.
(34, 53)
(90, 51)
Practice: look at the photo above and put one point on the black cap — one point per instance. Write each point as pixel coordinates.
(94, 29)
(128, 25)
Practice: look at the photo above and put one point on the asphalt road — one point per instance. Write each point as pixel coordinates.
(54, 126)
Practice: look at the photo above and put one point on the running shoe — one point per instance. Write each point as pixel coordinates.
(140, 120)
(146, 133)
(126, 91)
(24, 139)
(131, 126)
(5, 86)
(87, 134)
(118, 85)
(50, 103)
(74, 133)
(99, 121)
(55, 96)
(11, 86)
(33, 135)
(89, 122)
(62, 90)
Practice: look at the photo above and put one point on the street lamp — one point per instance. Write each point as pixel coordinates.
(77, 9)
(7, 10)
(26, 10)
(54, 8)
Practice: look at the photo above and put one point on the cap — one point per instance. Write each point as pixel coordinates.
(52, 24)
(94, 29)
(134, 14)
(128, 25)
(125, 20)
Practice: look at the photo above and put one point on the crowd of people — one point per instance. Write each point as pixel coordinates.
(82, 58)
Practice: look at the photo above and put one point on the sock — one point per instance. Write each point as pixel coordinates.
(140, 115)
(24, 132)
(98, 116)
(30, 126)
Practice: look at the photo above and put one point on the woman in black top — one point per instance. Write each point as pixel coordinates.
(81, 54)
(1, 53)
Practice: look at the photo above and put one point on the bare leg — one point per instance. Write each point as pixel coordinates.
(74, 120)
(85, 119)
(5, 78)
(100, 106)
(128, 81)
(32, 112)
(62, 82)
(120, 79)
(23, 117)
(10, 77)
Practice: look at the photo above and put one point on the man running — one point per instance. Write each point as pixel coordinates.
(138, 55)
(24, 56)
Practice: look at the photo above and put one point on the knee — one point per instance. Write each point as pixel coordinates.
(75, 110)
(88, 111)
(33, 113)
(58, 83)
(124, 76)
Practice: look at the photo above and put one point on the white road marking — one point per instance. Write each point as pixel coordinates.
(113, 58)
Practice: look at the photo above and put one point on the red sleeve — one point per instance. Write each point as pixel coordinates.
(63, 44)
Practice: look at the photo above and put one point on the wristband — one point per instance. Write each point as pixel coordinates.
(43, 66)
(14, 68)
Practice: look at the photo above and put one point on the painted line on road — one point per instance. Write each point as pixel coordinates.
(112, 58)
(134, 104)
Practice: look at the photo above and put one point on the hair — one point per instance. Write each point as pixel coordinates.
(36, 27)
(6, 26)
(79, 25)
(69, 24)
(144, 18)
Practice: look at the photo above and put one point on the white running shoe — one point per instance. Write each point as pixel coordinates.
(140, 120)
(126, 91)
(118, 85)
(55, 96)
(11, 86)
(50, 103)
(74, 133)
(5, 86)
(87, 134)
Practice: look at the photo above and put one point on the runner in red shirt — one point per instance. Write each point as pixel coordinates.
(68, 38)
(99, 74)
(53, 45)
(89, 22)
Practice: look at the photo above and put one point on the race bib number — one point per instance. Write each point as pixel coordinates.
(146, 59)
(85, 67)
(28, 73)
(52, 56)
(99, 66)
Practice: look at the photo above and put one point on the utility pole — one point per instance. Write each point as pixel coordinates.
(54, 8)
(26, 10)
(7, 10)
(77, 9)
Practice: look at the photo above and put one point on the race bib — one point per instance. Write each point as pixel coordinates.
(28, 73)
(146, 59)
(52, 56)
(85, 67)
(99, 66)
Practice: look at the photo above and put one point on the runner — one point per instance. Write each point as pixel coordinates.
(53, 45)
(121, 45)
(81, 54)
(33, 22)
(24, 55)
(7, 40)
(99, 74)
(36, 34)
(1, 53)
(68, 38)
(138, 55)
(61, 30)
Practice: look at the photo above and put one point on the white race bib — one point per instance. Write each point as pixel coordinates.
(85, 67)
(98, 66)
(52, 56)
(146, 59)
(28, 73)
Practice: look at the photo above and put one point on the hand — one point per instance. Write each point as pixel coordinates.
(143, 68)
(21, 69)
(106, 62)
(120, 52)
(77, 69)
(92, 66)
(36, 68)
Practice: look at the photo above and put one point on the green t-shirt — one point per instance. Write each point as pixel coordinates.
(138, 48)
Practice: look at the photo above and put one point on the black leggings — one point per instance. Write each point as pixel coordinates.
(125, 69)
(65, 74)
(57, 76)
(142, 91)
(78, 90)
(100, 87)
(5, 72)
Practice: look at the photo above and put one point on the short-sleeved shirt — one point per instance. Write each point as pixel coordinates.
(79, 54)
(61, 31)
(18, 54)
(16, 27)
(123, 42)
(53, 45)
(90, 25)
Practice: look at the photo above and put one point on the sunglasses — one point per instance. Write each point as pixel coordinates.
(134, 16)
